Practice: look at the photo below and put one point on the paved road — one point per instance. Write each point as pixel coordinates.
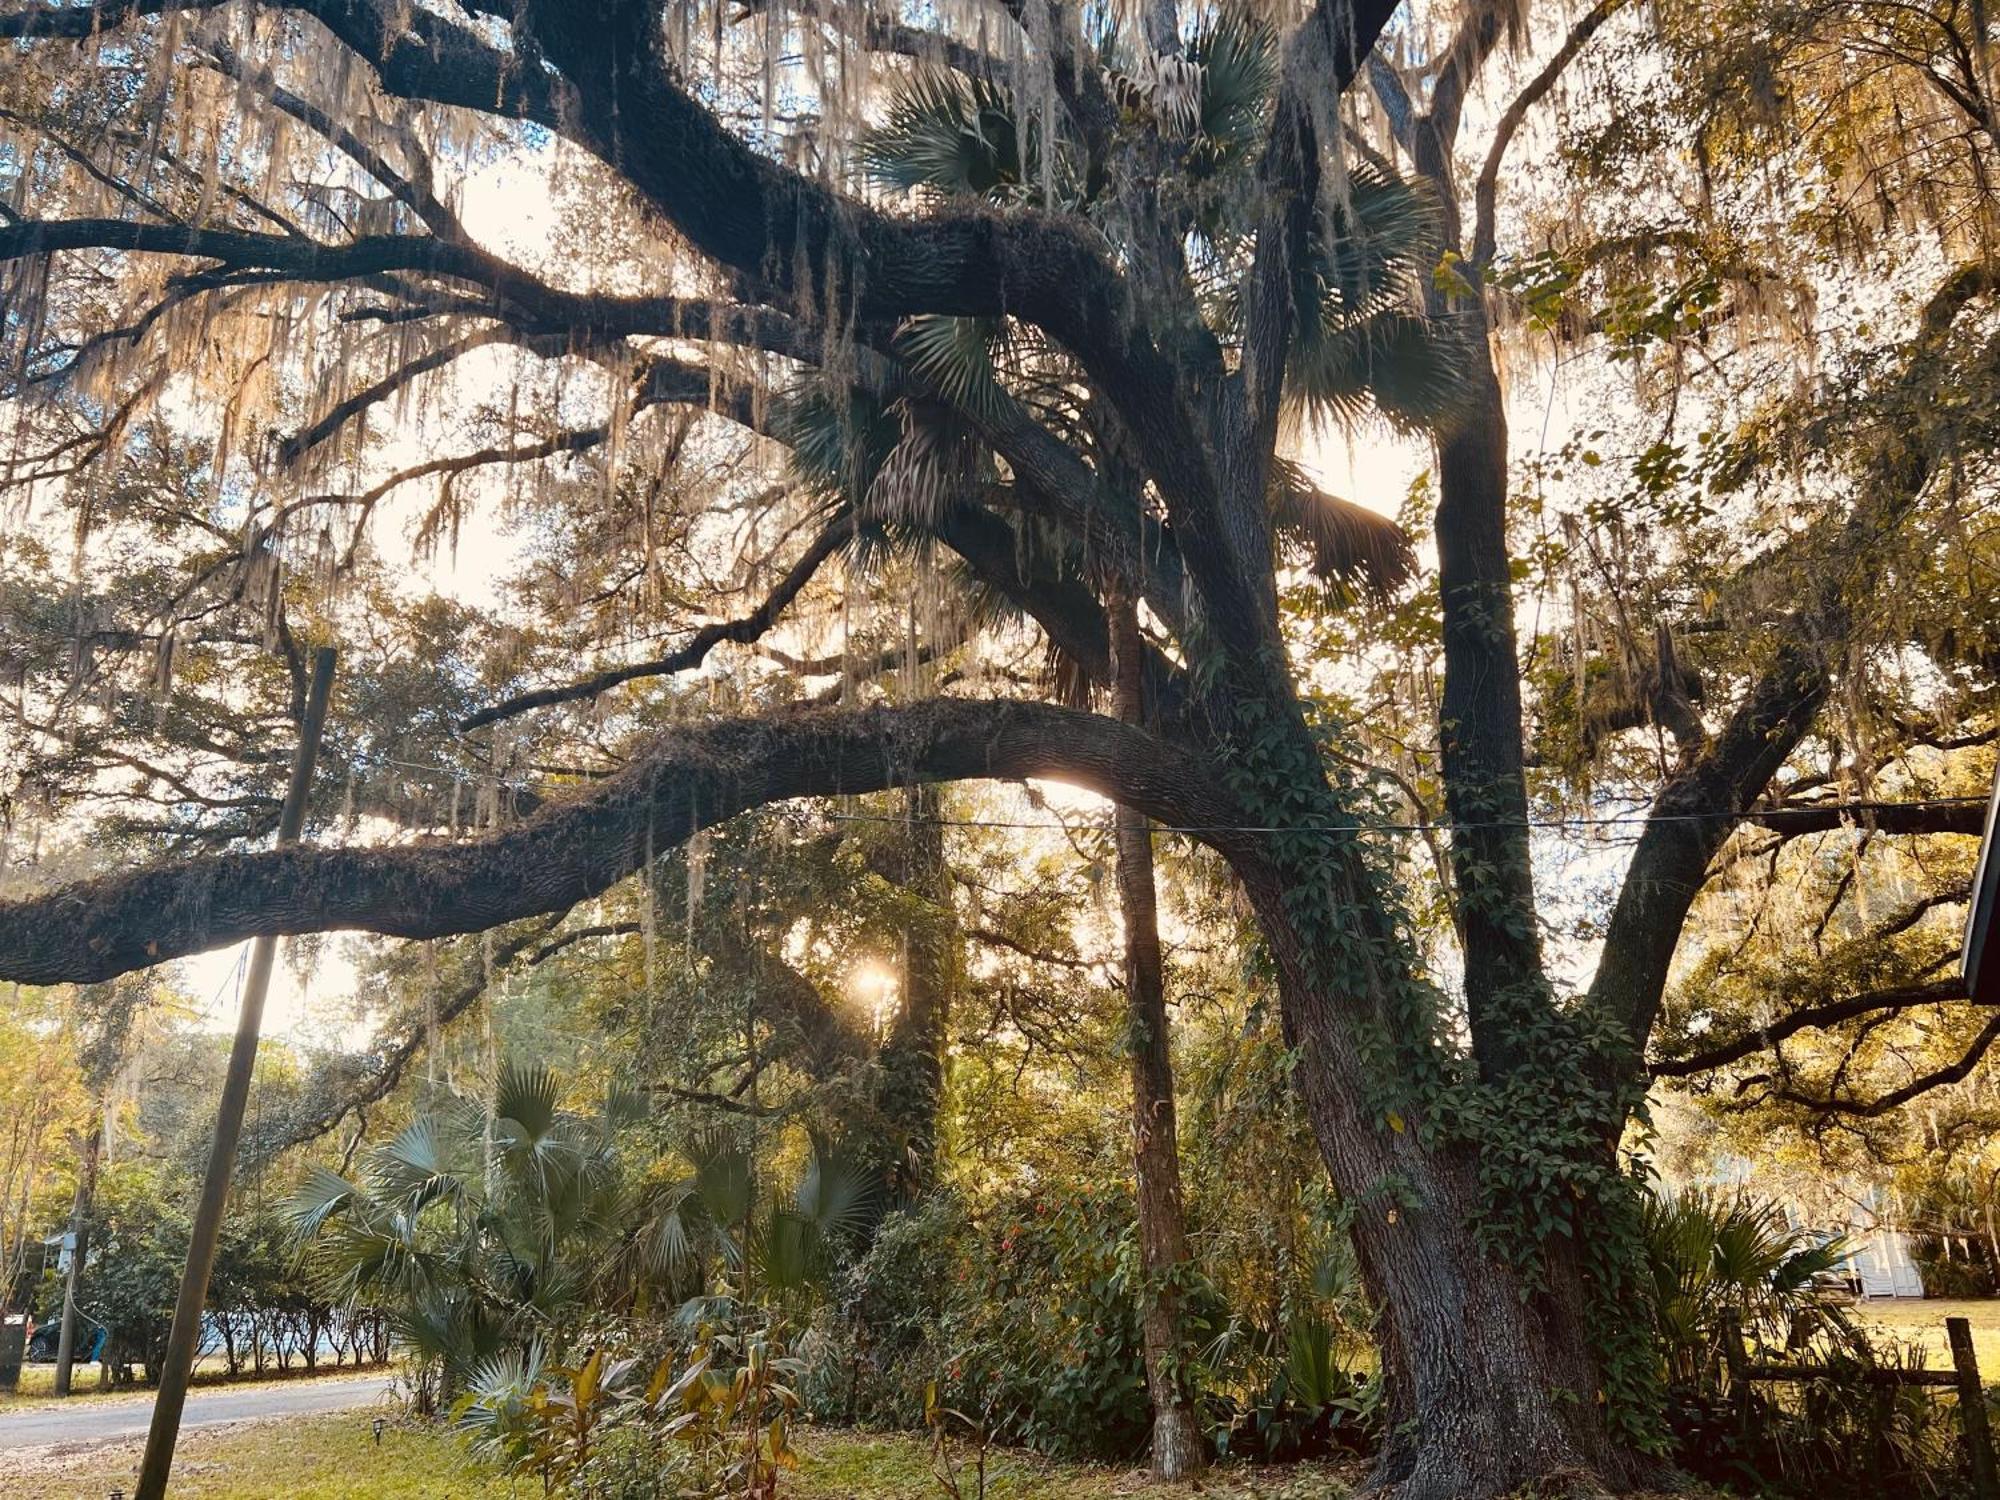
(110, 1419)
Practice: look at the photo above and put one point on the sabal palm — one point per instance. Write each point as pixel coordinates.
(1364, 342)
(1717, 1258)
(786, 1250)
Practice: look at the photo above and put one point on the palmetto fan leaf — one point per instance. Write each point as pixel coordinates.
(1361, 339)
(1716, 1257)
(1380, 238)
(1238, 57)
(722, 1175)
(787, 1252)
(838, 438)
(955, 357)
(322, 1195)
(930, 470)
(952, 136)
(670, 1244)
(417, 1168)
(839, 1194)
(528, 1095)
(1349, 544)
(1402, 365)
(467, 1258)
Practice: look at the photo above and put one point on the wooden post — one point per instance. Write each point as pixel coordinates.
(1972, 1410)
(1737, 1358)
(186, 1336)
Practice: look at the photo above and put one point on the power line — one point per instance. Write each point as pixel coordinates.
(1642, 819)
(1857, 810)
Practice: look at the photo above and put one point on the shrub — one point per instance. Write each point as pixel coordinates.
(1949, 1275)
(1026, 1320)
(714, 1422)
(1728, 1268)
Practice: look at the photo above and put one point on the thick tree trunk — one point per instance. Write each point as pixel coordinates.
(1178, 1448)
(1479, 719)
(1490, 1393)
(1490, 1388)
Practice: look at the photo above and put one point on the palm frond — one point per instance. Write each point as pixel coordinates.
(1237, 53)
(529, 1096)
(955, 357)
(417, 1168)
(787, 1252)
(1349, 544)
(1401, 365)
(721, 1175)
(838, 438)
(322, 1195)
(1380, 239)
(839, 1194)
(929, 472)
(950, 135)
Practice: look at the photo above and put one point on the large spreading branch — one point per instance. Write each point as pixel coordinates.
(1671, 862)
(1851, 1108)
(688, 779)
(1952, 815)
(1486, 191)
(1682, 835)
(1809, 1018)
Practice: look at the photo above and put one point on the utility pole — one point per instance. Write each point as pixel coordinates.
(79, 1241)
(186, 1337)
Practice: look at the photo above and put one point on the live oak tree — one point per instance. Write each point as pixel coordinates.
(1033, 307)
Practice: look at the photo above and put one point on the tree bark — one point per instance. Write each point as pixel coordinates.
(1492, 1384)
(1479, 719)
(912, 1057)
(687, 779)
(1178, 1448)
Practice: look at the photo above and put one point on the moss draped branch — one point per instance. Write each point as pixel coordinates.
(688, 779)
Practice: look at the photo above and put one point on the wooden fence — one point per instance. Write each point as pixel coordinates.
(1962, 1377)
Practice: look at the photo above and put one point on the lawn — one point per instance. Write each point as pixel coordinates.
(863, 1466)
(335, 1458)
(1921, 1321)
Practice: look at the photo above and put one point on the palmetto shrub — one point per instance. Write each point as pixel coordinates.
(1726, 1267)
(482, 1227)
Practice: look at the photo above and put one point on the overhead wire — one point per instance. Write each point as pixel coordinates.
(1858, 811)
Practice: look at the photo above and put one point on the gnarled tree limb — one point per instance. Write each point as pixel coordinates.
(1812, 1017)
(688, 779)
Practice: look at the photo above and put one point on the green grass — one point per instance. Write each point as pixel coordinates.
(872, 1466)
(335, 1458)
(1921, 1322)
(310, 1458)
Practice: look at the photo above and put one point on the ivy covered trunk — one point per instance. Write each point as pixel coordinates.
(1495, 1372)
(912, 1055)
(1495, 1232)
